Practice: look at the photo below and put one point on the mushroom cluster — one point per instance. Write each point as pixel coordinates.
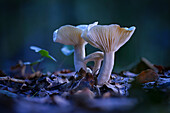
(107, 38)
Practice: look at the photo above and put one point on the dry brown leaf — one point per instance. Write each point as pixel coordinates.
(107, 95)
(83, 98)
(117, 91)
(36, 74)
(19, 69)
(147, 76)
(86, 92)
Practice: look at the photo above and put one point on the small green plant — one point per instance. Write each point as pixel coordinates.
(44, 54)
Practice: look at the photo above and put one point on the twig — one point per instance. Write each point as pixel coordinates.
(12, 79)
(149, 64)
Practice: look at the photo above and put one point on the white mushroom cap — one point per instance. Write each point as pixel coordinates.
(71, 35)
(96, 56)
(108, 37)
(68, 35)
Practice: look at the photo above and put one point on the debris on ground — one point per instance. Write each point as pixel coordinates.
(145, 86)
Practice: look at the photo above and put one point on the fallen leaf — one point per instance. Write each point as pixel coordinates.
(107, 95)
(19, 69)
(86, 92)
(117, 91)
(147, 76)
(51, 82)
(83, 98)
(80, 74)
(37, 74)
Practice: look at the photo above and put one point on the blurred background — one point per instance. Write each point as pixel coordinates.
(24, 23)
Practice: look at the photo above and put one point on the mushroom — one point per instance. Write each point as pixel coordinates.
(108, 38)
(97, 57)
(71, 35)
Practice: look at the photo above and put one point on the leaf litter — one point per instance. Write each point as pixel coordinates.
(65, 91)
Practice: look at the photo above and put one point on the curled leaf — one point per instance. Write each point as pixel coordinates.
(43, 53)
(67, 50)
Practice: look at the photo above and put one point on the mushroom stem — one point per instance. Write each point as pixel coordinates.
(96, 67)
(79, 55)
(106, 68)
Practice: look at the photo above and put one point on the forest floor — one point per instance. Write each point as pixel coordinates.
(143, 89)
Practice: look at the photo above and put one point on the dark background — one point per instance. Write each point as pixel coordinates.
(31, 22)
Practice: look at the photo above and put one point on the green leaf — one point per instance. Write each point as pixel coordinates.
(67, 50)
(34, 63)
(43, 53)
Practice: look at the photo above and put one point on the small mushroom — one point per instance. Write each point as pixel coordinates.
(71, 35)
(108, 38)
(97, 57)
